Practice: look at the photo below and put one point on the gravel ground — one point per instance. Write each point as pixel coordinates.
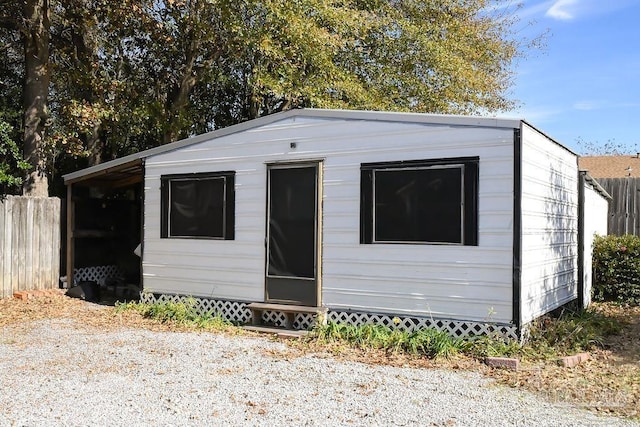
(59, 372)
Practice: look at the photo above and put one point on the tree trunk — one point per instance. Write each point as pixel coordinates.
(178, 98)
(177, 102)
(95, 145)
(36, 90)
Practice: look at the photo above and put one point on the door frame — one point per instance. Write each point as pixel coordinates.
(318, 165)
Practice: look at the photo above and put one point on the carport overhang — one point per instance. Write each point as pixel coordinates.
(116, 174)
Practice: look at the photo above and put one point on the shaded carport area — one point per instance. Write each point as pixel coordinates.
(104, 225)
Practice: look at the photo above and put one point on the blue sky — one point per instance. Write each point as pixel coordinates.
(585, 83)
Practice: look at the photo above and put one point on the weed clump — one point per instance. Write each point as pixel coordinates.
(548, 337)
(551, 336)
(428, 342)
(570, 332)
(184, 313)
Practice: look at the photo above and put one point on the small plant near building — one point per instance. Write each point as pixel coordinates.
(569, 332)
(184, 313)
(551, 336)
(426, 342)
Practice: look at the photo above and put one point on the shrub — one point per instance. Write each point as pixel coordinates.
(616, 265)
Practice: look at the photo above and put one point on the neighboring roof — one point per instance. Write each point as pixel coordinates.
(135, 159)
(611, 166)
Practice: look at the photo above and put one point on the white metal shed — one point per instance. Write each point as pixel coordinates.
(462, 223)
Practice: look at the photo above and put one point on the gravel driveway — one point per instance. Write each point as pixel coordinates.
(59, 372)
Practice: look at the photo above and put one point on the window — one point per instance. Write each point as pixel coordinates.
(425, 201)
(198, 206)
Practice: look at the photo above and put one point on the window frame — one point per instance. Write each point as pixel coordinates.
(468, 196)
(228, 203)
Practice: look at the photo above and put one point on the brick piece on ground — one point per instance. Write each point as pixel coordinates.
(571, 361)
(502, 362)
(21, 295)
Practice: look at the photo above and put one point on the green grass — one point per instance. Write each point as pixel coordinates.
(570, 332)
(184, 313)
(549, 337)
(427, 342)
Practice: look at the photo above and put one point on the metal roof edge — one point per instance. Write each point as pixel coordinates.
(424, 118)
(249, 124)
(546, 135)
(596, 185)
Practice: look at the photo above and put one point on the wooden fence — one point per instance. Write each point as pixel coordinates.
(624, 209)
(29, 243)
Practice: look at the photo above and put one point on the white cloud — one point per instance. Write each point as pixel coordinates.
(585, 105)
(533, 10)
(567, 10)
(562, 10)
(540, 114)
(602, 105)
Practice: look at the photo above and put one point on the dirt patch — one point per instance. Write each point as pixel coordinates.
(609, 382)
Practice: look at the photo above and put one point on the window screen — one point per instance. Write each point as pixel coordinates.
(198, 205)
(420, 202)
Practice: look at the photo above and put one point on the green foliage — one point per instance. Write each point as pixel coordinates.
(12, 166)
(130, 75)
(570, 332)
(428, 342)
(185, 313)
(492, 346)
(550, 337)
(134, 74)
(616, 265)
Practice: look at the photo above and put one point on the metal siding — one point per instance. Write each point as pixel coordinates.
(596, 208)
(549, 225)
(458, 282)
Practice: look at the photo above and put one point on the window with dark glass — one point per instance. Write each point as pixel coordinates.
(426, 201)
(198, 205)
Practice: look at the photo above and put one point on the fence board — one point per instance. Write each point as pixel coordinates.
(3, 285)
(624, 209)
(18, 253)
(29, 244)
(8, 242)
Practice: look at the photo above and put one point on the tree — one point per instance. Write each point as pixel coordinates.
(12, 166)
(609, 148)
(263, 56)
(450, 56)
(32, 22)
(133, 74)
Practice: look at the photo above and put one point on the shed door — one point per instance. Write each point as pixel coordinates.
(292, 234)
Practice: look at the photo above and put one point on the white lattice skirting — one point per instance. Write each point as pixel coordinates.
(101, 274)
(236, 311)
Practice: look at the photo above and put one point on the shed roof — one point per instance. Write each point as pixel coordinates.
(611, 166)
(134, 161)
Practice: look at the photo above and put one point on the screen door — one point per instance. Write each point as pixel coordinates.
(292, 234)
